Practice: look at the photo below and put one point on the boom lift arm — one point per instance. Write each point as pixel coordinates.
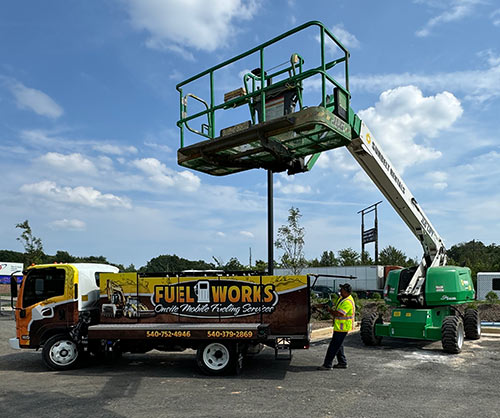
(368, 153)
(278, 137)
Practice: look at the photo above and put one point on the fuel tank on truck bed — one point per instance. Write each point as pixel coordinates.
(250, 306)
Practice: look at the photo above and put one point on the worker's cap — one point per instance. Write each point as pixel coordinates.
(346, 287)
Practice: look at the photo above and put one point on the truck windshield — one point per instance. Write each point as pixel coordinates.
(43, 284)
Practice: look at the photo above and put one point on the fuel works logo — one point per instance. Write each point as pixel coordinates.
(215, 298)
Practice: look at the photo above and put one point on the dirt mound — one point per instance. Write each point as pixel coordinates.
(489, 312)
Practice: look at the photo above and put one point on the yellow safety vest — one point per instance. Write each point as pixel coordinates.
(346, 307)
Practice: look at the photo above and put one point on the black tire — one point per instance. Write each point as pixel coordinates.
(472, 324)
(218, 358)
(368, 329)
(60, 352)
(452, 334)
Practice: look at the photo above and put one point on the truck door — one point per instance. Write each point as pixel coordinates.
(48, 301)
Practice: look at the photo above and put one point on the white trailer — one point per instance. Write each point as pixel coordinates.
(367, 278)
(7, 269)
(487, 282)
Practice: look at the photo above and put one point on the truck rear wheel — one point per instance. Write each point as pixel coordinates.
(368, 329)
(60, 352)
(472, 324)
(218, 358)
(452, 334)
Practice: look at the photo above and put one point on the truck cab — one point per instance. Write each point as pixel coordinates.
(51, 298)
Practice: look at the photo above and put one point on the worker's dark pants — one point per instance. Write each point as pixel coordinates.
(336, 348)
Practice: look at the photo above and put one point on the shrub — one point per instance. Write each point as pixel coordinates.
(376, 296)
(472, 305)
(382, 308)
(491, 296)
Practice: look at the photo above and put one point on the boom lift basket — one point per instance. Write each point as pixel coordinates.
(279, 136)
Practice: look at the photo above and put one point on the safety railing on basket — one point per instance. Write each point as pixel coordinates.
(259, 89)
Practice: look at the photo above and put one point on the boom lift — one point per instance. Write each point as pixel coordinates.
(279, 137)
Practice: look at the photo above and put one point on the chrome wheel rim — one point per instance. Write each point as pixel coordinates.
(216, 356)
(63, 352)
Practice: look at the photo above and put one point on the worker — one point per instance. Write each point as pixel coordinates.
(343, 322)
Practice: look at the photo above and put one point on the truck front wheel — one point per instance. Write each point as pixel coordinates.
(217, 358)
(60, 352)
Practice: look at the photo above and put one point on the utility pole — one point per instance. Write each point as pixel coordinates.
(369, 235)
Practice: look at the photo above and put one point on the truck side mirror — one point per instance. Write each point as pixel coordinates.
(13, 287)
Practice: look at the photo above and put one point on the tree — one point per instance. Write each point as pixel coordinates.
(391, 256)
(64, 257)
(261, 265)
(291, 242)
(33, 247)
(313, 263)
(173, 263)
(130, 269)
(366, 259)
(328, 259)
(349, 257)
(234, 265)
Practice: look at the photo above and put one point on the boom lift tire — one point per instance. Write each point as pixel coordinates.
(472, 324)
(452, 334)
(218, 358)
(60, 352)
(368, 329)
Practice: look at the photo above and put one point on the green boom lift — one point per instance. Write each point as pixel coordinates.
(283, 133)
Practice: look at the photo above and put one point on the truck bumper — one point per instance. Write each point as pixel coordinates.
(14, 343)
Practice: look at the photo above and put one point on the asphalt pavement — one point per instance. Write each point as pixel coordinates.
(401, 378)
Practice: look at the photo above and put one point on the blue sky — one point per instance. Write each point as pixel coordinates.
(88, 135)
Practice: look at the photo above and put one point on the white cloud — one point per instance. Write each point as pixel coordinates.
(220, 234)
(438, 179)
(81, 195)
(35, 100)
(346, 38)
(454, 10)
(491, 58)
(246, 234)
(495, 17)
(480, 175)
(179, 24)
(160, 147)
(115, 149)
(337, 159)
(69, 224)
(104, 163)
(163, 176)
(70, 163)
(402, 114)
(291, 188)
(479, 85)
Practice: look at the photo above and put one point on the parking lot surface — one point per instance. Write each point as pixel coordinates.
(399, 379)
